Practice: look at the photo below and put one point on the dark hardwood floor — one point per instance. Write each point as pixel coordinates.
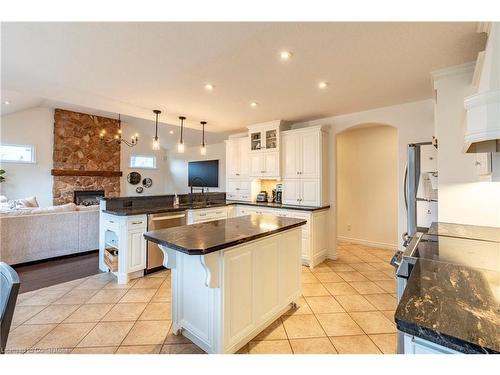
(51, 272)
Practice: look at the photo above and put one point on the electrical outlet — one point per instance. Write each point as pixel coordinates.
(349, 227)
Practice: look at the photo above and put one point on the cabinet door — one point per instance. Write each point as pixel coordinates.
(233, 157)
(271, 137)
(290, 156)
(238, 293)
(243, 148)
(266, 279)
(256, 165)
(136, 251)
(271, 164)
(256, 141)
(309, 155)
(291, 191)
(310, 192)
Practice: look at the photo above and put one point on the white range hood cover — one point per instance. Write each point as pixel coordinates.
(482, 132)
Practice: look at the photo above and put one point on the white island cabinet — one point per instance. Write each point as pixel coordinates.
(124, 235)
(221, 299)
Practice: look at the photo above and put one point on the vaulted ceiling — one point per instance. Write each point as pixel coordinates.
(133, 68)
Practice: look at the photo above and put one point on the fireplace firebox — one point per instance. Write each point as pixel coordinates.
(87, 197)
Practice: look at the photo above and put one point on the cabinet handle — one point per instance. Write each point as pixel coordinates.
(237, 188)
(219, 212)
(137, 222)
(111, 221)
(203, 214)
(237, 174)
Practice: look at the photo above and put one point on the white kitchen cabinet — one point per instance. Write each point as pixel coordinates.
(265, 137)
(301, 154)
(265, 165)
(136, 251)
(237, 157)
(238, 189)
(304, 158)
(314, 238)
(416, 345)
(203, 215)
(125, 234)
(302, 192)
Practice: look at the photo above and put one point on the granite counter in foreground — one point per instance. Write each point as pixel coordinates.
(452, 305)
(204, 238)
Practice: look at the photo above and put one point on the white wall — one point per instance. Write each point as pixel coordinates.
(33, 126)
(143, 147)
(367, 186)
(462, 197)
(177, 178)
(414, 123)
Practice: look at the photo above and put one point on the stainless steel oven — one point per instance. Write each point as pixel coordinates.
(154, 261)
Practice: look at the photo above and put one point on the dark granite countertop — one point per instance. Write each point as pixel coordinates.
(129, 211)
(204, 238)
(452, 305)
(279, 205)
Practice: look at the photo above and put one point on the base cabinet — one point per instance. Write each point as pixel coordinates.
(125, 234)
(416, 345)
(222, 300)
(314, 235)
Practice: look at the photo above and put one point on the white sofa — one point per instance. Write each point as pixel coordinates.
(37, 234)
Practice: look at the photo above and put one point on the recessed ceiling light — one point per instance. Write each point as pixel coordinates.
(323, 85)
(285, 55)
(254, 104)
(209, 87)
(6, 102)
(171, 132)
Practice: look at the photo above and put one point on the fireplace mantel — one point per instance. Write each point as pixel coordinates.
(73, 172)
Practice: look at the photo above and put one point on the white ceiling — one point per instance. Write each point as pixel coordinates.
(132, 68)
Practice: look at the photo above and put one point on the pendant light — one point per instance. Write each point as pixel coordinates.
(180, 145)
(156, 140)
(203, 149)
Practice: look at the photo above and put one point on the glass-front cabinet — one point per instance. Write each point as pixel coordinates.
(256, 141)
(265, 137)
(271, 139)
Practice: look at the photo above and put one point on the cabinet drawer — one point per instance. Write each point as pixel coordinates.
(137, 223)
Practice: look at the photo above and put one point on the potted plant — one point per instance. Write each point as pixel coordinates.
(2, 178)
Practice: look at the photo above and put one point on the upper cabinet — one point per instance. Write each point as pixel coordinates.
(237, 157)
(304, 157)
(301, 154)
(265, 137)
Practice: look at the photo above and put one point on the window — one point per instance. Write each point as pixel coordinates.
(142, 161)
(17, 153)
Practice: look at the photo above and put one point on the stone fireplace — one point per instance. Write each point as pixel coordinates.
(81, 162)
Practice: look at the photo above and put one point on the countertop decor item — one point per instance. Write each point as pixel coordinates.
(118, 136)
(134, 178)
(139, 189)
(147, 182)
(156, 140)
(2, 178)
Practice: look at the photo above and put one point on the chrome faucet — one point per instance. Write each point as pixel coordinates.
(204, 184)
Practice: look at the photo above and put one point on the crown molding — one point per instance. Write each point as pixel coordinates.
(467, 68)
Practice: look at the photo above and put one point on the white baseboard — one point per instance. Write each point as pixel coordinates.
(382, 245)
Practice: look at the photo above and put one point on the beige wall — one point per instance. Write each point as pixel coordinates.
(367, 185)
(30, 127)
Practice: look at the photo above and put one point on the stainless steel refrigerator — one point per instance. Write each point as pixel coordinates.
(421, 188)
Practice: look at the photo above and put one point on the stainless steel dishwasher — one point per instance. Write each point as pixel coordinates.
(161, 221)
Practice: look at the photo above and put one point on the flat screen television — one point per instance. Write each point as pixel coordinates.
(203, 173)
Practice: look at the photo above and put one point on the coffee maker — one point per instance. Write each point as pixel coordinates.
(278, 193)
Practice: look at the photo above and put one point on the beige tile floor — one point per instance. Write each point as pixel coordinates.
(347, 308)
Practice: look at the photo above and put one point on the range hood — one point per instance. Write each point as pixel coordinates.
(482, 122)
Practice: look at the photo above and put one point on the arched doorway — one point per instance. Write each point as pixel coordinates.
(367, 185)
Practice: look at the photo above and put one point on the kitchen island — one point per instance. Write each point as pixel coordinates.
(231, 278)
